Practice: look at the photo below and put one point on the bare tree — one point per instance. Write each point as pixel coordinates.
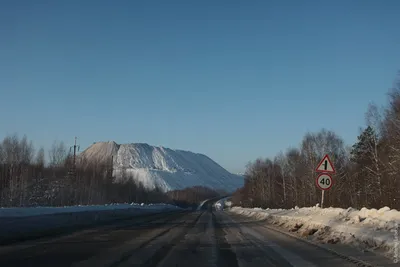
(57, 154)
(26, 180)
(11, 149)
(281, 161)
(26, 151)
(2, 154)
(40, 158)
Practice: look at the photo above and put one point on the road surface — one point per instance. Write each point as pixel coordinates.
(200, 238)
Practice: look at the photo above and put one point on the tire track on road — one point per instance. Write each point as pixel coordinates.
(66, 250)
(226, 256)
(168, 247)
(68, 231)
(197, 248)
(122, 254)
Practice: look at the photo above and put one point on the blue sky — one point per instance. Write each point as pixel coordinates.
(232, 79)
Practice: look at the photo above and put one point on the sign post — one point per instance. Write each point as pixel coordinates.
(324, 181)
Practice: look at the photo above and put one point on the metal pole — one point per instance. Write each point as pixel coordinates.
(322, 199)
(75, 153)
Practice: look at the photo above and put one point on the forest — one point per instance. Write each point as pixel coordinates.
(367, 172)
(27, 180)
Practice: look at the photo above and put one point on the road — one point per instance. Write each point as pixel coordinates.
(200, 238)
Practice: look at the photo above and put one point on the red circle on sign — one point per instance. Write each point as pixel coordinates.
(316, 181)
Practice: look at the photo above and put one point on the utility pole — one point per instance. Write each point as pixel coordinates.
(75, 148)
(74, 156)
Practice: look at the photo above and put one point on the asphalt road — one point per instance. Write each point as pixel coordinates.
(201, 238)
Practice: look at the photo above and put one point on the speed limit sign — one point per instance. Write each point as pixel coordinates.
(324, 181)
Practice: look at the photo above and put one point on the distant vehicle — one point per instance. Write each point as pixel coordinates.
(218, 206)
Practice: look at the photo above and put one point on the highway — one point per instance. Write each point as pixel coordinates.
(186, 238)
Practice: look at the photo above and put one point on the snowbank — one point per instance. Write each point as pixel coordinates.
(27, 223)
(24, 212)
(366, 228)
(228, 203)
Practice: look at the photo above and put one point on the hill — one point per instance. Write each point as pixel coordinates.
(166, 168)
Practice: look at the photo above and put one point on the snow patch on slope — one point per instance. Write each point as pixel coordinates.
(163, 167)
(100, 152)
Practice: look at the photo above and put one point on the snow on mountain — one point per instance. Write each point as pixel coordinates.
(100, 152)
(166, 168)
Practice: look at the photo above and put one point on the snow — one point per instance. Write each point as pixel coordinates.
(365, 228)
(35, 211)
(228, 203)
(22, 223)
(101, 151)
(163, 167)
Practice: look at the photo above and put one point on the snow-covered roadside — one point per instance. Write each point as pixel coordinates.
(35, 211)
(26, 223)
(365, 228)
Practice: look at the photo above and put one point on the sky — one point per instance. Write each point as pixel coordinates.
(235, 80)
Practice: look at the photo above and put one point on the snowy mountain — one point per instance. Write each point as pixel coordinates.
(159, 166)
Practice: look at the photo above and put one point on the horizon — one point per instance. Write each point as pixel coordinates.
(117, 143)
(231, 81)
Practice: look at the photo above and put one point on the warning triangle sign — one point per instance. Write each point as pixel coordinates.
(326, 165)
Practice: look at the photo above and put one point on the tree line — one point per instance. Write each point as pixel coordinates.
(26, 180)
(367, 172)
(190, 197)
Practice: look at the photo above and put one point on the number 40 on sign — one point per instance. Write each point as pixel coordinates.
(324, 180)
